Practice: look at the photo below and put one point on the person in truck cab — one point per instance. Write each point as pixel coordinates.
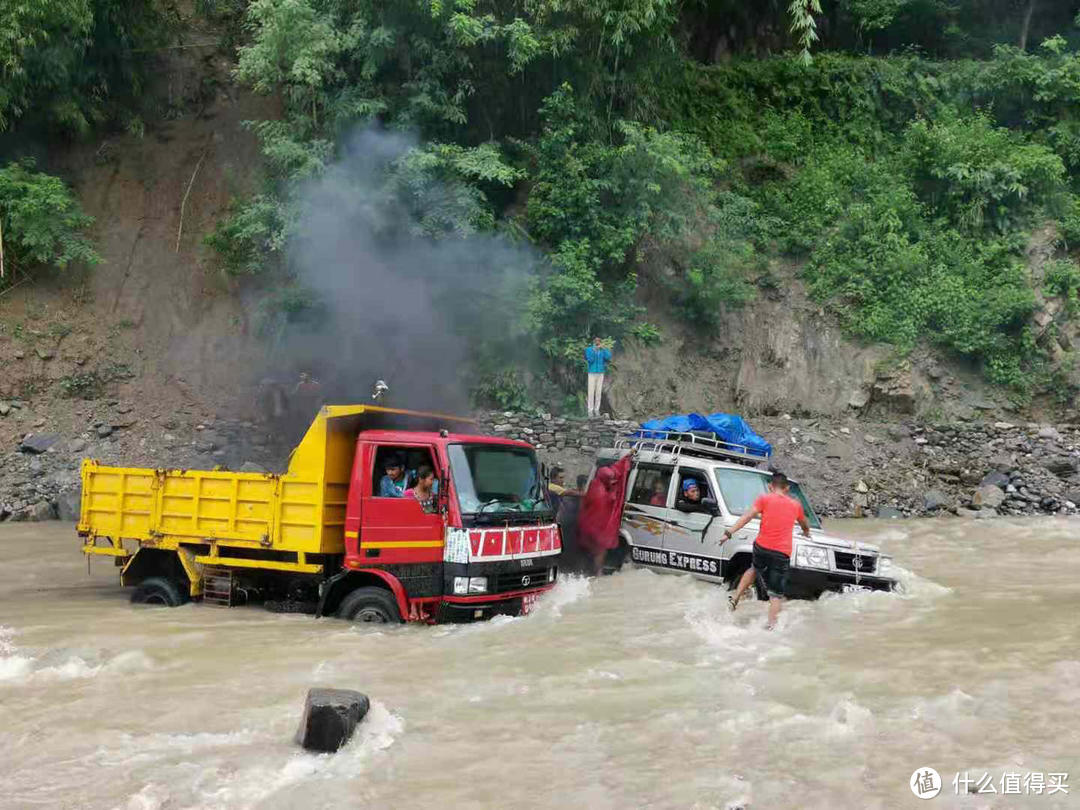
(779, 513)
(424, 490)
(392, 485)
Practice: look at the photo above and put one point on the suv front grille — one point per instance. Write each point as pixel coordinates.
(515, 580)
(845, 561)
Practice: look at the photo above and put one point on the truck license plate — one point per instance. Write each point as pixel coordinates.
(528, 602)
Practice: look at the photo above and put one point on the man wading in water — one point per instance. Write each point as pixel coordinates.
(772, 548)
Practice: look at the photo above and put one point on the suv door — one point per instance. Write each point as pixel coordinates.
(646, 511)
(684, 536)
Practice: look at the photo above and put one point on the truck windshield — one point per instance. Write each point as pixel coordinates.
(496, 479)
(740, 488)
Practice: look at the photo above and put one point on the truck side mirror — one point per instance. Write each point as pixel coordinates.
(711, 505)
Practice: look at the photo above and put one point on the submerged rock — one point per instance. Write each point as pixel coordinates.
(330, 717)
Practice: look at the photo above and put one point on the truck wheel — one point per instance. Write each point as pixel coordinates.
(371, 605)
(158, 591)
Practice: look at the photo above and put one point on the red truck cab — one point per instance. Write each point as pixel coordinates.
(488, 546)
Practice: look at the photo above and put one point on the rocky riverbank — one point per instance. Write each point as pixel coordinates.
(857, 468)
(852, 468)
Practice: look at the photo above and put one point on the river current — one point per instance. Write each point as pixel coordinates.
(636, 690)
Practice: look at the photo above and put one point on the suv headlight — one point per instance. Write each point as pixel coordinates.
(884, 566)
(812, 557)
(477, 584)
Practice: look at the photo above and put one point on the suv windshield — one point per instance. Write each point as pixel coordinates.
(740, 488)
(496, 479)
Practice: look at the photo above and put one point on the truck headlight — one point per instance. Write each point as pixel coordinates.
(461, 585)
(884, 566)
(477, 584)
(812, 557)
(551, 575)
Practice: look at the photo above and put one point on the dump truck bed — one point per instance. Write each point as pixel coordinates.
(287, 512)
(301, 511)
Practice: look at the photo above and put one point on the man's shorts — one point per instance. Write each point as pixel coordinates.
(772, 568)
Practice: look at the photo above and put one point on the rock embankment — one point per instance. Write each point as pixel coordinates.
(39, 467)
(851, 468)
(856, 468)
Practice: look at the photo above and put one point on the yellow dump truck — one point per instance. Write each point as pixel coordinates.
(338, 532)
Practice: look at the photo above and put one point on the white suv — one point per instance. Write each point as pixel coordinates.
(665, 533)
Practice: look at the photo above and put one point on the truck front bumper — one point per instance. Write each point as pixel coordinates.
(808, 583)
(484, 606)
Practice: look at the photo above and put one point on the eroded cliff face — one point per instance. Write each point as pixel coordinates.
(778, 354)
(784, 354)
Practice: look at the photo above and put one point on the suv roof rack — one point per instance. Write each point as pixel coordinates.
(701, 444)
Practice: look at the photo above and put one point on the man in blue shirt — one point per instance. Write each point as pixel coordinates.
(596, 358)
(392, 484)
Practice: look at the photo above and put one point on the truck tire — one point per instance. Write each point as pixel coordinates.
(158, 591)
(370, 605)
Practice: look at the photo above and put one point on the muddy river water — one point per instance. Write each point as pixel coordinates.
(636, 690)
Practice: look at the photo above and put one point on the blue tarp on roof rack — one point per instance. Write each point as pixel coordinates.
(727, 427)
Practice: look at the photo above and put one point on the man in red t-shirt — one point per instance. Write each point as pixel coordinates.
(772, 548)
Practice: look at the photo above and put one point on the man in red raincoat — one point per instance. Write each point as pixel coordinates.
(601, 511)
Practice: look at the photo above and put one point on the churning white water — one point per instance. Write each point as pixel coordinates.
(633, 691)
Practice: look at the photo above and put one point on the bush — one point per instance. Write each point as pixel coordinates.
(43, 223)
(978, 175)
(248, 235)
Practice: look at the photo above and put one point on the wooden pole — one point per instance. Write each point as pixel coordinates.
(183, 202)
(1, 247)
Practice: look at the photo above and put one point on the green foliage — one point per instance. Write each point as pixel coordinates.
(43, 224)
(602, 207)
(648, 334)
(251, 231)
(1063, 279)
(91, 384)
(82, 385)
(503, 390)
(440, 186)
(903, 185)
(74, 64)
(978, 175)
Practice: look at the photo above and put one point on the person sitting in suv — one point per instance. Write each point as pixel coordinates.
(690, 499)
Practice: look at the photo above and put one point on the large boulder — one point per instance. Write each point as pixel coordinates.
(889, 512)
(42, 510)
(330, 717)
(38, 442)
(935, 499)
(1061, 466)
(988, 496)
(68, 505)
(995, 479)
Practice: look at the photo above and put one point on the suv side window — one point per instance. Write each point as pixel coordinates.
(700, 476)
(651, 485)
